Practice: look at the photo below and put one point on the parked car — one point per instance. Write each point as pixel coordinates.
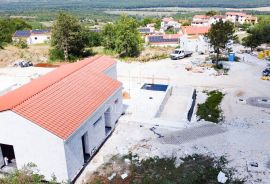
(266, 72)
(180, 54)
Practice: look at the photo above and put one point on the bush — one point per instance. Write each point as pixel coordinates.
(194, 169)
(27, 175)
(210, 110)
(22, 44)
(56, 55)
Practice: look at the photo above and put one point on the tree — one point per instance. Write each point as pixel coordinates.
(109, 36)
(211, 13)
(219, 35)
(254, 39)
(8, 28)
(157, 23)
(146, 20)
(69, 36)
(94, 39)
(123, 37)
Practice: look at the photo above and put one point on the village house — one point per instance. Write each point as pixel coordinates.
(214, 19)
(241, 18)
(59, 120)
(32, 36)
(235, 17)
(201, 17)
(163, 39)
(193, 38)
(169, 22)
(200, 23)
(192, 31)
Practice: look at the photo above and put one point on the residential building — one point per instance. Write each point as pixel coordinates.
(169, 22)
(59, 120)
(200, 23)
(241, 18)
(32, 36)
(195, 30)
(201, 18)
(214, 19)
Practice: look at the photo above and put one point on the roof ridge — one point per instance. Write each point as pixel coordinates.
(46, 86)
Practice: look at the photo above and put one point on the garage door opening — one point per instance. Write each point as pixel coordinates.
(7, 156)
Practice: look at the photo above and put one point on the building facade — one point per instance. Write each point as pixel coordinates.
(63, 120)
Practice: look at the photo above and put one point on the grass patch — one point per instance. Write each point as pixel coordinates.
(210, 110)
(195, 169)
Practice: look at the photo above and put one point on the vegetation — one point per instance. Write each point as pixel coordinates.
(219, 35)
(22, 44)
(189, 170)
(211, 13)
(258, 34)
(210, 109)
(69, 37)
(8, 28)
(123, 37)
(94, 39)
(27, 175)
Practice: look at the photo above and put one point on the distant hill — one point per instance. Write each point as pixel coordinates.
(71, 4)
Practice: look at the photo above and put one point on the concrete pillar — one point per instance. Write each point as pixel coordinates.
(2, 163)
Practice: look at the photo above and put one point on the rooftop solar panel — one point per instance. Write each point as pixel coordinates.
(40, 31)
(160, 39)
(22, 33)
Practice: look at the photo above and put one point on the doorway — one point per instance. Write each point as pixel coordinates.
(86, 155)
(7, 151)
(108, 123)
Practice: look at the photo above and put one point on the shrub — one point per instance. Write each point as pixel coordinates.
(22, 44)
(56, 55)
(210, 110)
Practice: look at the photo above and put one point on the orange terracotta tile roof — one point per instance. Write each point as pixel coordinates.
(195, 30)
(201, 17)
(167, 19)
(63, 99)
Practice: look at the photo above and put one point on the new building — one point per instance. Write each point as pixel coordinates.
(195, 30)
(32, 36)
(59, 120)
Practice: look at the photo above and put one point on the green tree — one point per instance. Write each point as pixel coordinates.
(219, 35)
(69, 36)
(8, 28)
(146, 20)
(109, 36)
(254, 39)
(211, 13)
(157, 23)
(123, 37)
(94, 39)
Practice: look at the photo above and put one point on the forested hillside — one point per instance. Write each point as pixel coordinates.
(71, 4)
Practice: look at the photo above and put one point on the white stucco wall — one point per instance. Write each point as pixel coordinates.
(111, 72)
(2, 163)
(33, 144)
(38, 39)
(96, 134)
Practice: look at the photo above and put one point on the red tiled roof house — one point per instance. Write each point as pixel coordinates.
(58, 121)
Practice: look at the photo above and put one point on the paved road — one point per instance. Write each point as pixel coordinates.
(192, 134)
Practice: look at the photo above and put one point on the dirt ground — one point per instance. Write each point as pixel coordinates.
(243, 137)
(35, 54)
